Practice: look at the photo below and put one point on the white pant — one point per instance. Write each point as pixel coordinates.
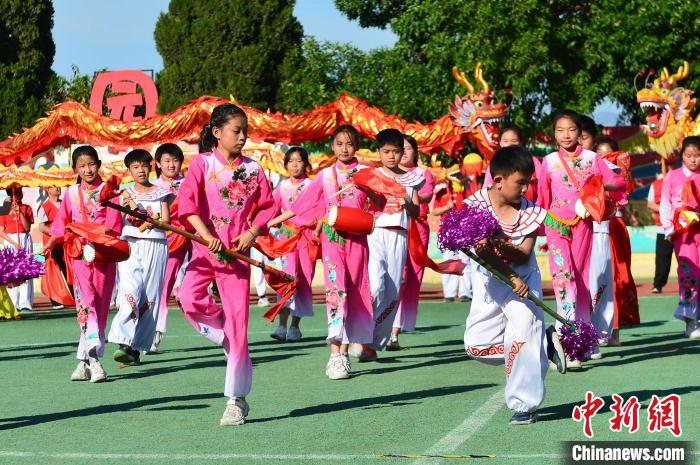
(140, 288)
(600, 279)
(387, 256)
(500, 328)
(256, 274)
(22, 296)
(453, 285)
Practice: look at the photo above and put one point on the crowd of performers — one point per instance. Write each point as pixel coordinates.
(373, 267)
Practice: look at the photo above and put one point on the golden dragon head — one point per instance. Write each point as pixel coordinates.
(668, 109)
(477, 111)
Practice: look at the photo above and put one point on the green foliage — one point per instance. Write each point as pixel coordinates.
(76, 88)
(26, 55)
(222, 47)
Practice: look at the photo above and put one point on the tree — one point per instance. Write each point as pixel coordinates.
(26, 55)
(223, 47)
(60, 89)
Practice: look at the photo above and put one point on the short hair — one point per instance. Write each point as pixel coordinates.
(138, 155)
(512, 159)
(588, 125)
(390, 137)
(508, 127)
(302, 153)
(349, 131)
(690, 141)
(570, 114)
(171, 149)
(600, 140)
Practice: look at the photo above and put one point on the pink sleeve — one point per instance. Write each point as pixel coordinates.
(277, 197)
(544, 187)
(63, 217)
(665, 206)
(191, 190)
(310, 205)
(266, 207)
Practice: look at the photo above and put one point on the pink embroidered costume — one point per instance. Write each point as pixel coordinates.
(93, 281)
(685, 243)
(223, 194)
(569, 237)
(413, 273)
(178, 248)
(298, 263)
(344, 256)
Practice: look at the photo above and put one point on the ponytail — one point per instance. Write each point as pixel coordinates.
(219, 117)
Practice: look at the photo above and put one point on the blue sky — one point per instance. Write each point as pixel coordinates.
(97, 34)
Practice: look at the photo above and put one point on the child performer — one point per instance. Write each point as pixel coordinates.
(664, 248)
(217, 198)
(501, 321)
(685, 243)
(141, 276)
(570, 238)
(388, 243)
(46, 214)
(14, 230)
(169, 160)
(298, 263)
(512, 134)
(344, 255)
(94, 281)
(409, 295)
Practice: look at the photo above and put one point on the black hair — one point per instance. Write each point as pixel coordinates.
(570, 114)
(512, 127)
(390, 137)
(219, 117)
(302, 153)
(588, 125)
(600, 140)
(688, 141)
(84, 150)
(511, 159)
(138, 155)
(171, 149)
(412, 142)
(349, 131)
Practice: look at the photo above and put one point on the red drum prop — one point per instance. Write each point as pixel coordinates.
(101, 247)
(351, 220)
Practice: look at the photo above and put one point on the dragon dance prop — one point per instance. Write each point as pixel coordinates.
(463, 229)
(473, 117)
(281, 282)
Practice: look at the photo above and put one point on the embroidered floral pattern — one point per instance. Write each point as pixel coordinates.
(83, 311)
(241, 186)
(296, 192)
(218, 221)
(335, 298)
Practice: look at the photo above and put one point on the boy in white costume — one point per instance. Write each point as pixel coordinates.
(503, 326)
(388, 243)
(141, 276)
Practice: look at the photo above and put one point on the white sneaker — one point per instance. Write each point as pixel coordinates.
(573, 364)
(337, 367)
(694, 334)
(595, 354)
(236, 411)
(293, 334)
(346, 362)
(691, 327)
(57, 307)
(263, 302)
(157, 339)
(280, 333)
(81, 372)
(97, 372)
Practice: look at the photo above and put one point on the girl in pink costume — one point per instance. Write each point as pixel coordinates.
(169, 159)
(685, 243)
(407, 312)
(217, 197)
(569, 237)
(94, 281)
(298, 263)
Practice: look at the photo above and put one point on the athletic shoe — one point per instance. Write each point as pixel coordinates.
(393, 343)
(346, 362)
(81, 372)
(57, 307)
(523, 418)
(337, 367)
(695, 332)
(362, 353)
(464, 298)
(293, 334)
(126, 355)
(280, 333)
(236, 411)
(97, 373)
(25, 309)
(555, 351)
(573, 364)
(263, 302)
(157, 339)
(449, 299)
(655, 290)
(595, 353)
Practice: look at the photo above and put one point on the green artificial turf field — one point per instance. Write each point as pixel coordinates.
(427, 398)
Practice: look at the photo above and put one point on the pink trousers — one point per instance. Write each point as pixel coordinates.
(94, 283)
(687, 247)
(409, 295)
(172, 268)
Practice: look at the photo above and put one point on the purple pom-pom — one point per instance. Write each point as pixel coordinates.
(17, 266)
(579, 343)
(466, 227)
